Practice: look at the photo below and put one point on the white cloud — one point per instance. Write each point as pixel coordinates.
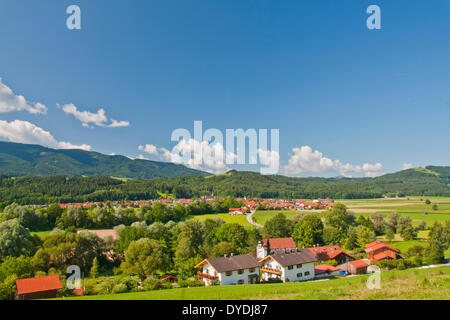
(194, 154)
(407, 166)
(141, 157)
(150, 149)
(99, 118)
(9, 102)
(269, 158)
(305, 160)
(26, 132)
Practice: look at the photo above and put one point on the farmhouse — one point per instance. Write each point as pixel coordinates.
(378, 250)
(355, 267)
(38, 288)
(241, 269)
(331, 253)
(289, 266)
(270, 246)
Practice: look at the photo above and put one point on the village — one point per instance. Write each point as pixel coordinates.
(248, 204)
(280, 260)
(269, 260)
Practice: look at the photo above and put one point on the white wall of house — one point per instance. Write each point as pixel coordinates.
(229, 279)
(299, 273)
(296, 273)
(235, 277)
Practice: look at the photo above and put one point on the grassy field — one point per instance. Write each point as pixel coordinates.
(262, 216)
(41, 234)
(422, 284)
(242, 220)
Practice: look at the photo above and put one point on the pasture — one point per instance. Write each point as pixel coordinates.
(422, 284)
(242, 220)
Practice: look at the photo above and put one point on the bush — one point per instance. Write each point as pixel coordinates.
(120, 288)
(189, 283)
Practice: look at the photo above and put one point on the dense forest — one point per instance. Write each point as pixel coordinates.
(429, 181)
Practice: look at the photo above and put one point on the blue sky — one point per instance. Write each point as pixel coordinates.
(309, 68)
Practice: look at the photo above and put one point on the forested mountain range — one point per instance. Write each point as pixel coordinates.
(429, 181)
(18, 160)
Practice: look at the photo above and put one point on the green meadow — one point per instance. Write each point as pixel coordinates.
(422, 284)
(228, 218)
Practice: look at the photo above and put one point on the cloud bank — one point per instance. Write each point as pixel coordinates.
(26, 132)
(10, 102)
(305, 160)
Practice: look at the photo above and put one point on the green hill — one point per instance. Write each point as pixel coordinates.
(33, 160)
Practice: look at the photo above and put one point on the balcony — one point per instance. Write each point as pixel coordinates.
(205, 275)
(270, 270)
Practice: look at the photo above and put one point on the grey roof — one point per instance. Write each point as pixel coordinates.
(299, 257)
(230, 263)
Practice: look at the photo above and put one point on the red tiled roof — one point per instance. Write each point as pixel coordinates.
(279, 243)
(39, 284)
(359, 263)
(327, 252)
(384, 255)
(326, 268)
(378, 245)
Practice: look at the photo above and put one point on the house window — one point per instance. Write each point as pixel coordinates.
(229, 273)
(240, 271)
(252, 270)
(299, 275)
(241, 281)
(299, 266)
(290, 267)
(306, 273)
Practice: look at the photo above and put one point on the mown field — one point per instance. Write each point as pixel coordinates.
(421, 284)
(242, 220)
(414, 208)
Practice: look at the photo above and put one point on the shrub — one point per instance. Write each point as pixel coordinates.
(120, 288)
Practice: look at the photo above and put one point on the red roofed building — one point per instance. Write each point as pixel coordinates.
(331, 253)
(270, 246)
(378, 250)
(324, 270)
(38, 288)
(238, 211)
(355, 267)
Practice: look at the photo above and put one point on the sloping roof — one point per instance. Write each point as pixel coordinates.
(279, 243)
(376, 245)
(384, 255)
(324, 268)
(289, 259)
(359, 264)
(230, 263)
(39, 284)
(327, 252)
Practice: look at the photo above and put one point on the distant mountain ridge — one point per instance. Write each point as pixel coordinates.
(18, 159)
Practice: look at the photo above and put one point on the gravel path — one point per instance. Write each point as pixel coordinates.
(249, 219)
